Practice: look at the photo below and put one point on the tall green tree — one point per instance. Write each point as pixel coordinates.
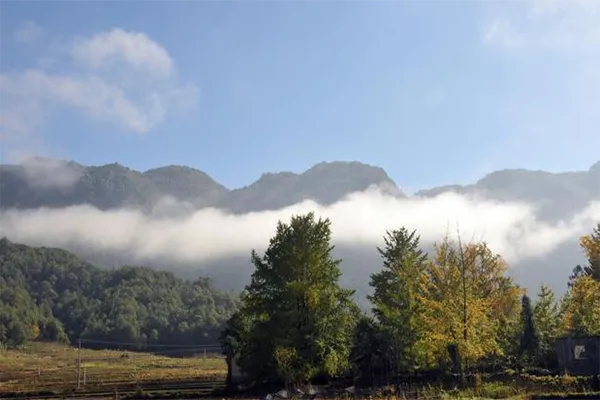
(529, 343)
(396, 296)
(546, 318)
(301, 320)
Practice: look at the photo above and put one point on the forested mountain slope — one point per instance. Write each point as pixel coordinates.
(51, 294)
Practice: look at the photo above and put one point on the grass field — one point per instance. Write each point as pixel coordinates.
(43, 366)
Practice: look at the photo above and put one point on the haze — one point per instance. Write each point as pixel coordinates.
(198, 237)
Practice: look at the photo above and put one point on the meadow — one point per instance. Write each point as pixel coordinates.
(53, 367)
(46, 370)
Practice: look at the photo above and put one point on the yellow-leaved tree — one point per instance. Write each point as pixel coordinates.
(581, 307)
(467, 300)
(591, 247)
(581, 304)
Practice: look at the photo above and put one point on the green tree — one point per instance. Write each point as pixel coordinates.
(370, 359)
(231, 339)
(546, 318)
(294, 303)
(529, 341)
(396, 296)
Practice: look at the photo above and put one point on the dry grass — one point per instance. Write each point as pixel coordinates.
(42, 366)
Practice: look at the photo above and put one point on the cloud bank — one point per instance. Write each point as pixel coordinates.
(119, 78)
(511, 229)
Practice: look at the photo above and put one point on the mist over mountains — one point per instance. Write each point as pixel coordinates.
(179, 218)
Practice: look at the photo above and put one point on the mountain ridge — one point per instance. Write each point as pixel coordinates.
(114, 185)
(46, 182)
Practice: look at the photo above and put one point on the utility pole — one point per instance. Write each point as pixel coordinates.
(78, 363)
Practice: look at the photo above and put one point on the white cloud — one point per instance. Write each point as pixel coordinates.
(553, 25)
(510, 228)
(90, 94)
(102, 81)
(134, 49)
(49, 172)
(28, 32)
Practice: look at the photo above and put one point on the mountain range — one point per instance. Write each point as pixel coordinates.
(51, 183)
(42, 182)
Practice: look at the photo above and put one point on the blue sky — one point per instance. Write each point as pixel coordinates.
(433, 92)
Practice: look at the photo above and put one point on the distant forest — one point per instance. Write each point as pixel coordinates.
(50, 294)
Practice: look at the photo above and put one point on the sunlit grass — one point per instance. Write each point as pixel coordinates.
(41, 366)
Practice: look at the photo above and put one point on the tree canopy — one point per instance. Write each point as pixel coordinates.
(50, 294)
(299, 317)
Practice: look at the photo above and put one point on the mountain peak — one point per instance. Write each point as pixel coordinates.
(595, 168)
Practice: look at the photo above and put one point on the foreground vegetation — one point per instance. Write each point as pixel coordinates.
(45, 366)
(454, 311)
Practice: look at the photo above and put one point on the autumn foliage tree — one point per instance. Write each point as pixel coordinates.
(581, 307)
(581, 304)
(465, 296)
(591, 248)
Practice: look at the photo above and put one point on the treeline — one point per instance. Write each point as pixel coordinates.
(453, 310)
(50, 294)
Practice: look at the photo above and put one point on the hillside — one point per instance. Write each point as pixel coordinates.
(51, 294)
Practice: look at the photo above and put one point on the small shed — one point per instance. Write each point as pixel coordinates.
(579, 355)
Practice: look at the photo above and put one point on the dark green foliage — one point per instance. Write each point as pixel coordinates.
(369, 357)
(50, 294)
(396, 287)
(529, 343)
(232, 338)
(300, 321)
